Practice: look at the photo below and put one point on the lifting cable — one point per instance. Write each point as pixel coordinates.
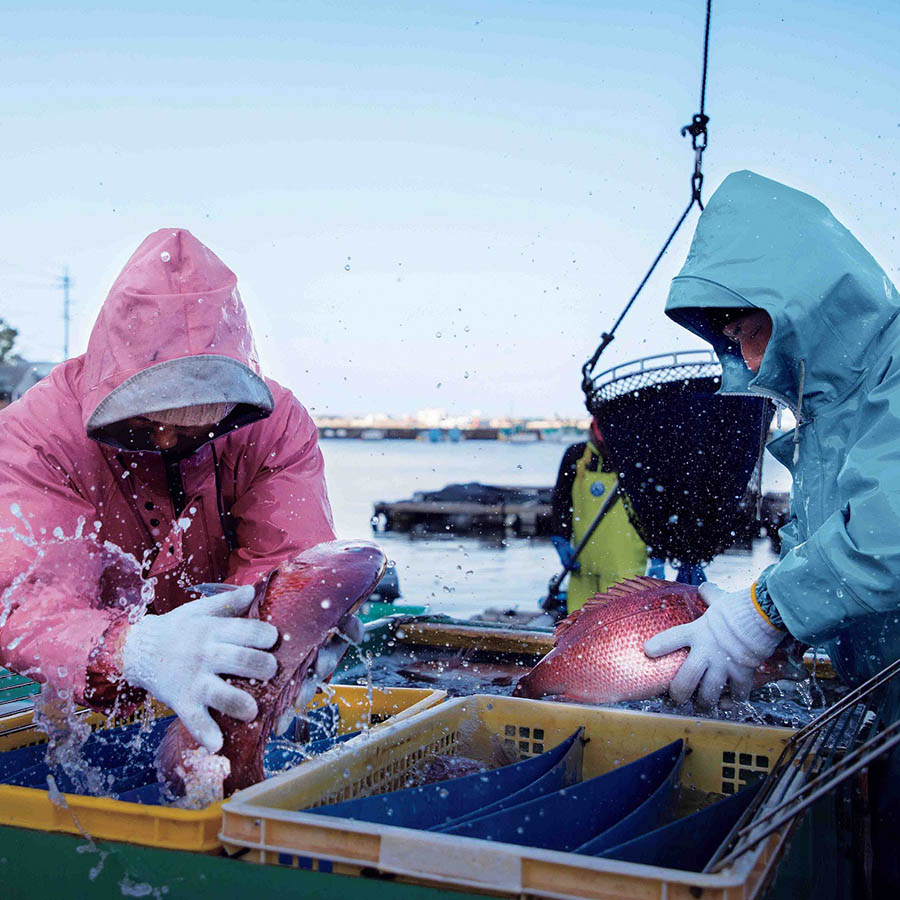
(697, 131)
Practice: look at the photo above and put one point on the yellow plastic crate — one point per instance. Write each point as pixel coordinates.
(161, 826)
(722, 757)
(363, 707)
(17, 729)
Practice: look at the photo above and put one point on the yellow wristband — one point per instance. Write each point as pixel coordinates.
(758, 608)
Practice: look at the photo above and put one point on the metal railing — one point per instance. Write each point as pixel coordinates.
(816, 760)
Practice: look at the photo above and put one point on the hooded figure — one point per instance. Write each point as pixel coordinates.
(615, 551)
(162, 441)
(833, 358)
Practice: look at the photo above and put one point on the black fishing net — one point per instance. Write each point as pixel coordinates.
(685, 456)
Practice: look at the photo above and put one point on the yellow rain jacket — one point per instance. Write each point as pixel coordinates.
(615, 552)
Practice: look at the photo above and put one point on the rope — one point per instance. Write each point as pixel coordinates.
(765, 418)
(699, 140)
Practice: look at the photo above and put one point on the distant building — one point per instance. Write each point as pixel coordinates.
(17, 375)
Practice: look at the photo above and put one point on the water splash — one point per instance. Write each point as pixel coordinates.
(118, 586)
(286, 752)
(67, 730)
(27, 540)
(57, 798)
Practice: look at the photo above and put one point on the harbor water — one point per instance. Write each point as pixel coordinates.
(463, 576)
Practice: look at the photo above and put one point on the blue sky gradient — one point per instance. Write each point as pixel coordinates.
(496, 176)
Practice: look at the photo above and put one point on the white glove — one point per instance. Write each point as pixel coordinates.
(326, 662)
(178, 657)
(727, 643)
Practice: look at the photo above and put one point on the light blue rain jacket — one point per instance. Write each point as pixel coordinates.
(834, 359)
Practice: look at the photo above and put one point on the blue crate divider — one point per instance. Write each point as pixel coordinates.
(436, 804)
(560, 821)
(689, 843)
(648, 816)
(566, 772)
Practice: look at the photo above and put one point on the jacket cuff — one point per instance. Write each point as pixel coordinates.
(104, 685)
(764, 604)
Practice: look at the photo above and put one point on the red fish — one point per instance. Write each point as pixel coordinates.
(599, 656)
(309, 600)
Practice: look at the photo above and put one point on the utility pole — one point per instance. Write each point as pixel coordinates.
(65, 283)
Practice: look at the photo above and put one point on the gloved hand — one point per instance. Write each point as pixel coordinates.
(726, 644)
(326, 662)
(178, 657)
(566, 552)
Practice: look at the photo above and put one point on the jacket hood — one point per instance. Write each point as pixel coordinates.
(760, 244)
(173, 332)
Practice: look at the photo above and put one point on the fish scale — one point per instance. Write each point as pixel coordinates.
(308, 599)
(598, 654)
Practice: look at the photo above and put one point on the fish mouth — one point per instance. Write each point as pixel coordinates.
(370, 552)
(368, 558)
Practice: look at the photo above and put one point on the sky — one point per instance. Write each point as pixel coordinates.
(430, 204)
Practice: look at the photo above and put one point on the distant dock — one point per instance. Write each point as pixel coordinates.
(514, 434)
(510, 510)
(470, 509)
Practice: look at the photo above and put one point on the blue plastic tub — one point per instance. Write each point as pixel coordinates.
(126, 757)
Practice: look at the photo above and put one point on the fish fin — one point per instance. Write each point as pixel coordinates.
(571, 629)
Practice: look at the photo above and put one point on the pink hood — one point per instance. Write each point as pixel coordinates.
(172, 332)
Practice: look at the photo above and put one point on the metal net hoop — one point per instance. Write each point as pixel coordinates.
(663, 368)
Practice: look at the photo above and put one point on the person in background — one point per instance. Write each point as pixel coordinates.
(615, 551)
(798, 311)
(158, 459)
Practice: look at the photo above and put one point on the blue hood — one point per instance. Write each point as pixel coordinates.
(761, 244)
(836, 332)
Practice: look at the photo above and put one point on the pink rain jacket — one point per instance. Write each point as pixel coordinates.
(172, 332)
